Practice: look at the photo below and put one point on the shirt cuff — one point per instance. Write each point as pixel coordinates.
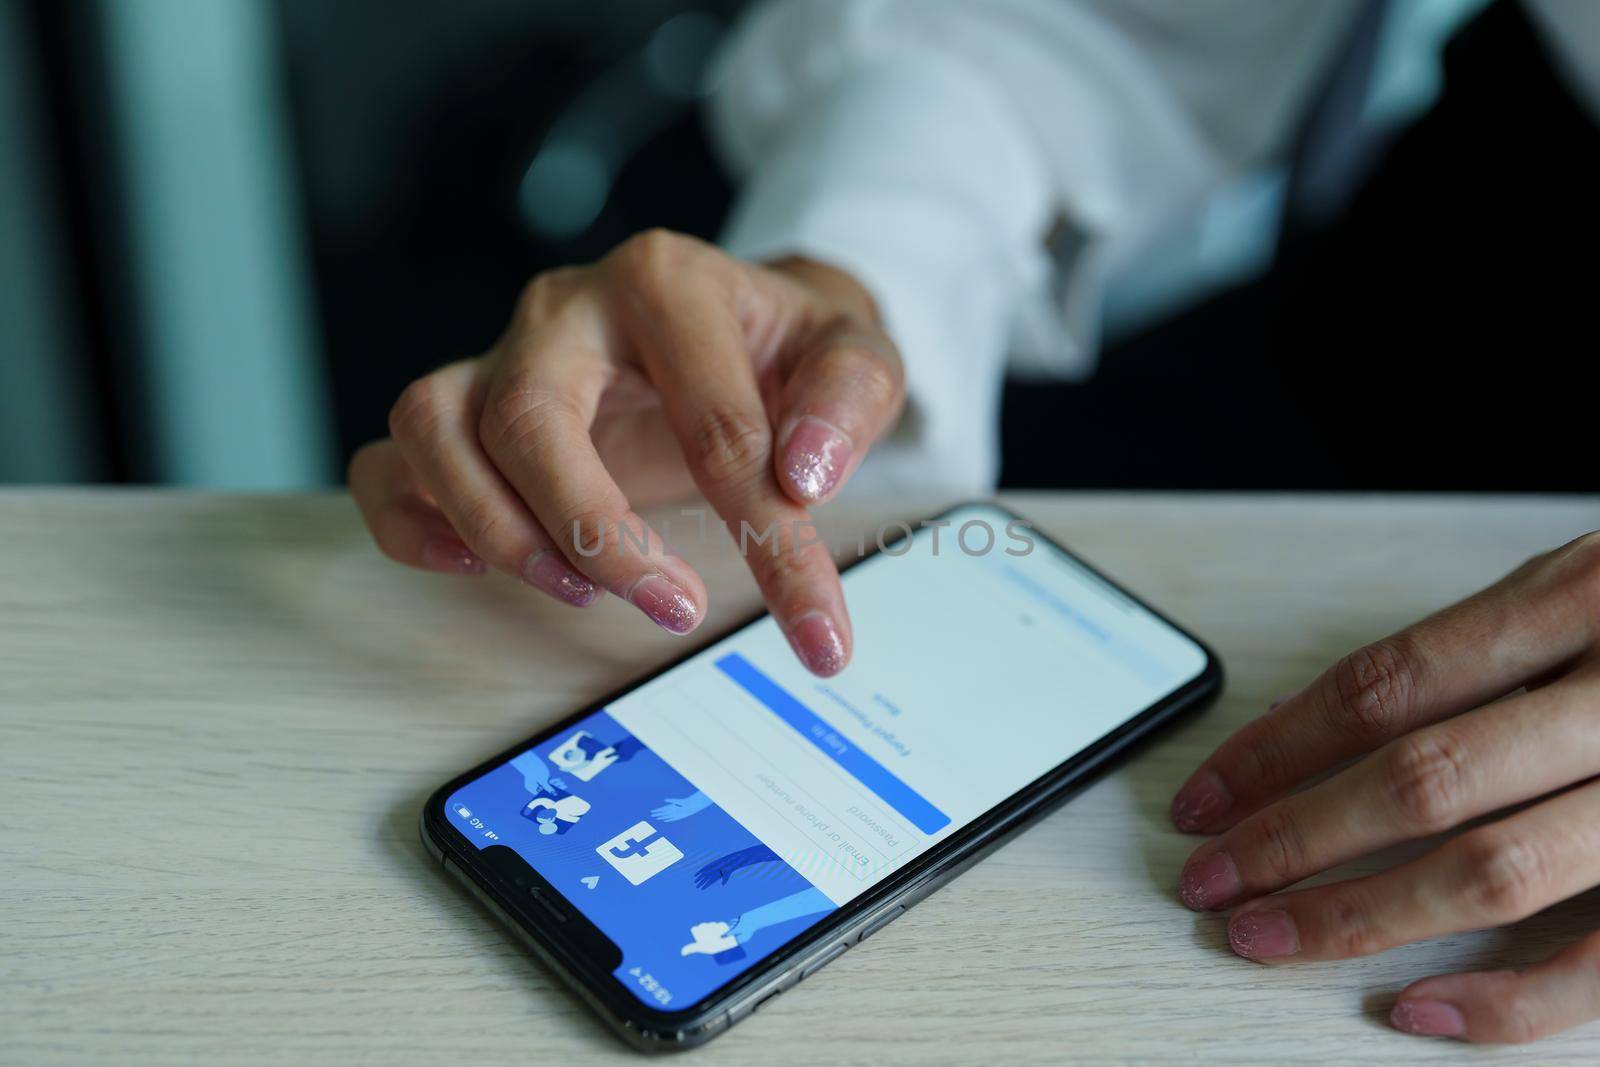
(915, 177)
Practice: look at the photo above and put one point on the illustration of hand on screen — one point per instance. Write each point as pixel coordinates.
(536, 776)
(673, 809)
(709, 939)
(724, 942)
(719, 870)
(555, 816)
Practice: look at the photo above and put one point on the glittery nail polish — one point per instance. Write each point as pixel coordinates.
(815, 457)
(667, 605)
(546, 570)
(817, 642)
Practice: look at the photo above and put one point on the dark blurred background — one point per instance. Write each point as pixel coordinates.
(244, 225)
(232, 230)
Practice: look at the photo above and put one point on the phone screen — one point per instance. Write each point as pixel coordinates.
(721, 809)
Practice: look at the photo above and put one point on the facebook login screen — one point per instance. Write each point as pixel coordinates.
(711, 815)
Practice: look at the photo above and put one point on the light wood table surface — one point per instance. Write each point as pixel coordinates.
(219, 717)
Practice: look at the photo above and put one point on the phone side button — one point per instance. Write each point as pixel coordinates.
(827, 957)
(743, 1012)
(881, 921)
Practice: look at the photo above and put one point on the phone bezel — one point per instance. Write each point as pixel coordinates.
(646, 1027)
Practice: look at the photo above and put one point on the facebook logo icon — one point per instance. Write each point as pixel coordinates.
(635, 864)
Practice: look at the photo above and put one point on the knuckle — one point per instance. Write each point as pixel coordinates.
(1589, 547)
(783, 568)
(480, 520)
(1281, 846)
(520, 412)
(1353, 932)
(1578, 563)
(1427, 773)
(650, 261)
(1570, 568)
(588, 532)
(728, 447)
(418, 410)
(544, 293)
(1260, 758)
(873, 379)
(1506, 876)
(1374, 686)
(1519, 1013)
(590, 526)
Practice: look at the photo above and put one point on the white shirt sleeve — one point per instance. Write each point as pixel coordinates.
(929, 146)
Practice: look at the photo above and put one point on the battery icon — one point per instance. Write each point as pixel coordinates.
(463, 811)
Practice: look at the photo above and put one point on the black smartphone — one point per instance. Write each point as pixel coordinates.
(685, 849)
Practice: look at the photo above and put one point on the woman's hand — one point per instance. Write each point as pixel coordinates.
(1490, 704)
(666, 365)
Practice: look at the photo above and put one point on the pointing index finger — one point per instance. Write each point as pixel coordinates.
(682, 317)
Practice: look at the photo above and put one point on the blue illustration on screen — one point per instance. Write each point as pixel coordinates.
(688, 894)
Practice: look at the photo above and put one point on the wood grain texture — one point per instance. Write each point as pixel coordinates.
(220, 715)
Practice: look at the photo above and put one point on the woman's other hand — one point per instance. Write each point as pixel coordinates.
(1489, 710)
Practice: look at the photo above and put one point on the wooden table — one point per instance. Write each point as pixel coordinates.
(219, 717)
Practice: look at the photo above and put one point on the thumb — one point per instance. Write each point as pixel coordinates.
(842, 394)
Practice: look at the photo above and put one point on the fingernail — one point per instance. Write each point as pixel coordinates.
(1433, 1018)
(1200, 802)
(1263, 934)
(546, 570)
(817, 642)
(453, 557)
(1279, 700)
(1209, 882)
(668, 606)
(816, 457)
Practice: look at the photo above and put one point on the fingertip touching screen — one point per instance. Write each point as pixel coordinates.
(726, 806)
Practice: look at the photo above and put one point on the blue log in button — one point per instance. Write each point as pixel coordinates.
(866, 770)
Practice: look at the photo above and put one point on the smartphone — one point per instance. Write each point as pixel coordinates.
(686, 849)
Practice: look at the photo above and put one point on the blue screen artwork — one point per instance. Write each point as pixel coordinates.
(689, 895)
(976, 674)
